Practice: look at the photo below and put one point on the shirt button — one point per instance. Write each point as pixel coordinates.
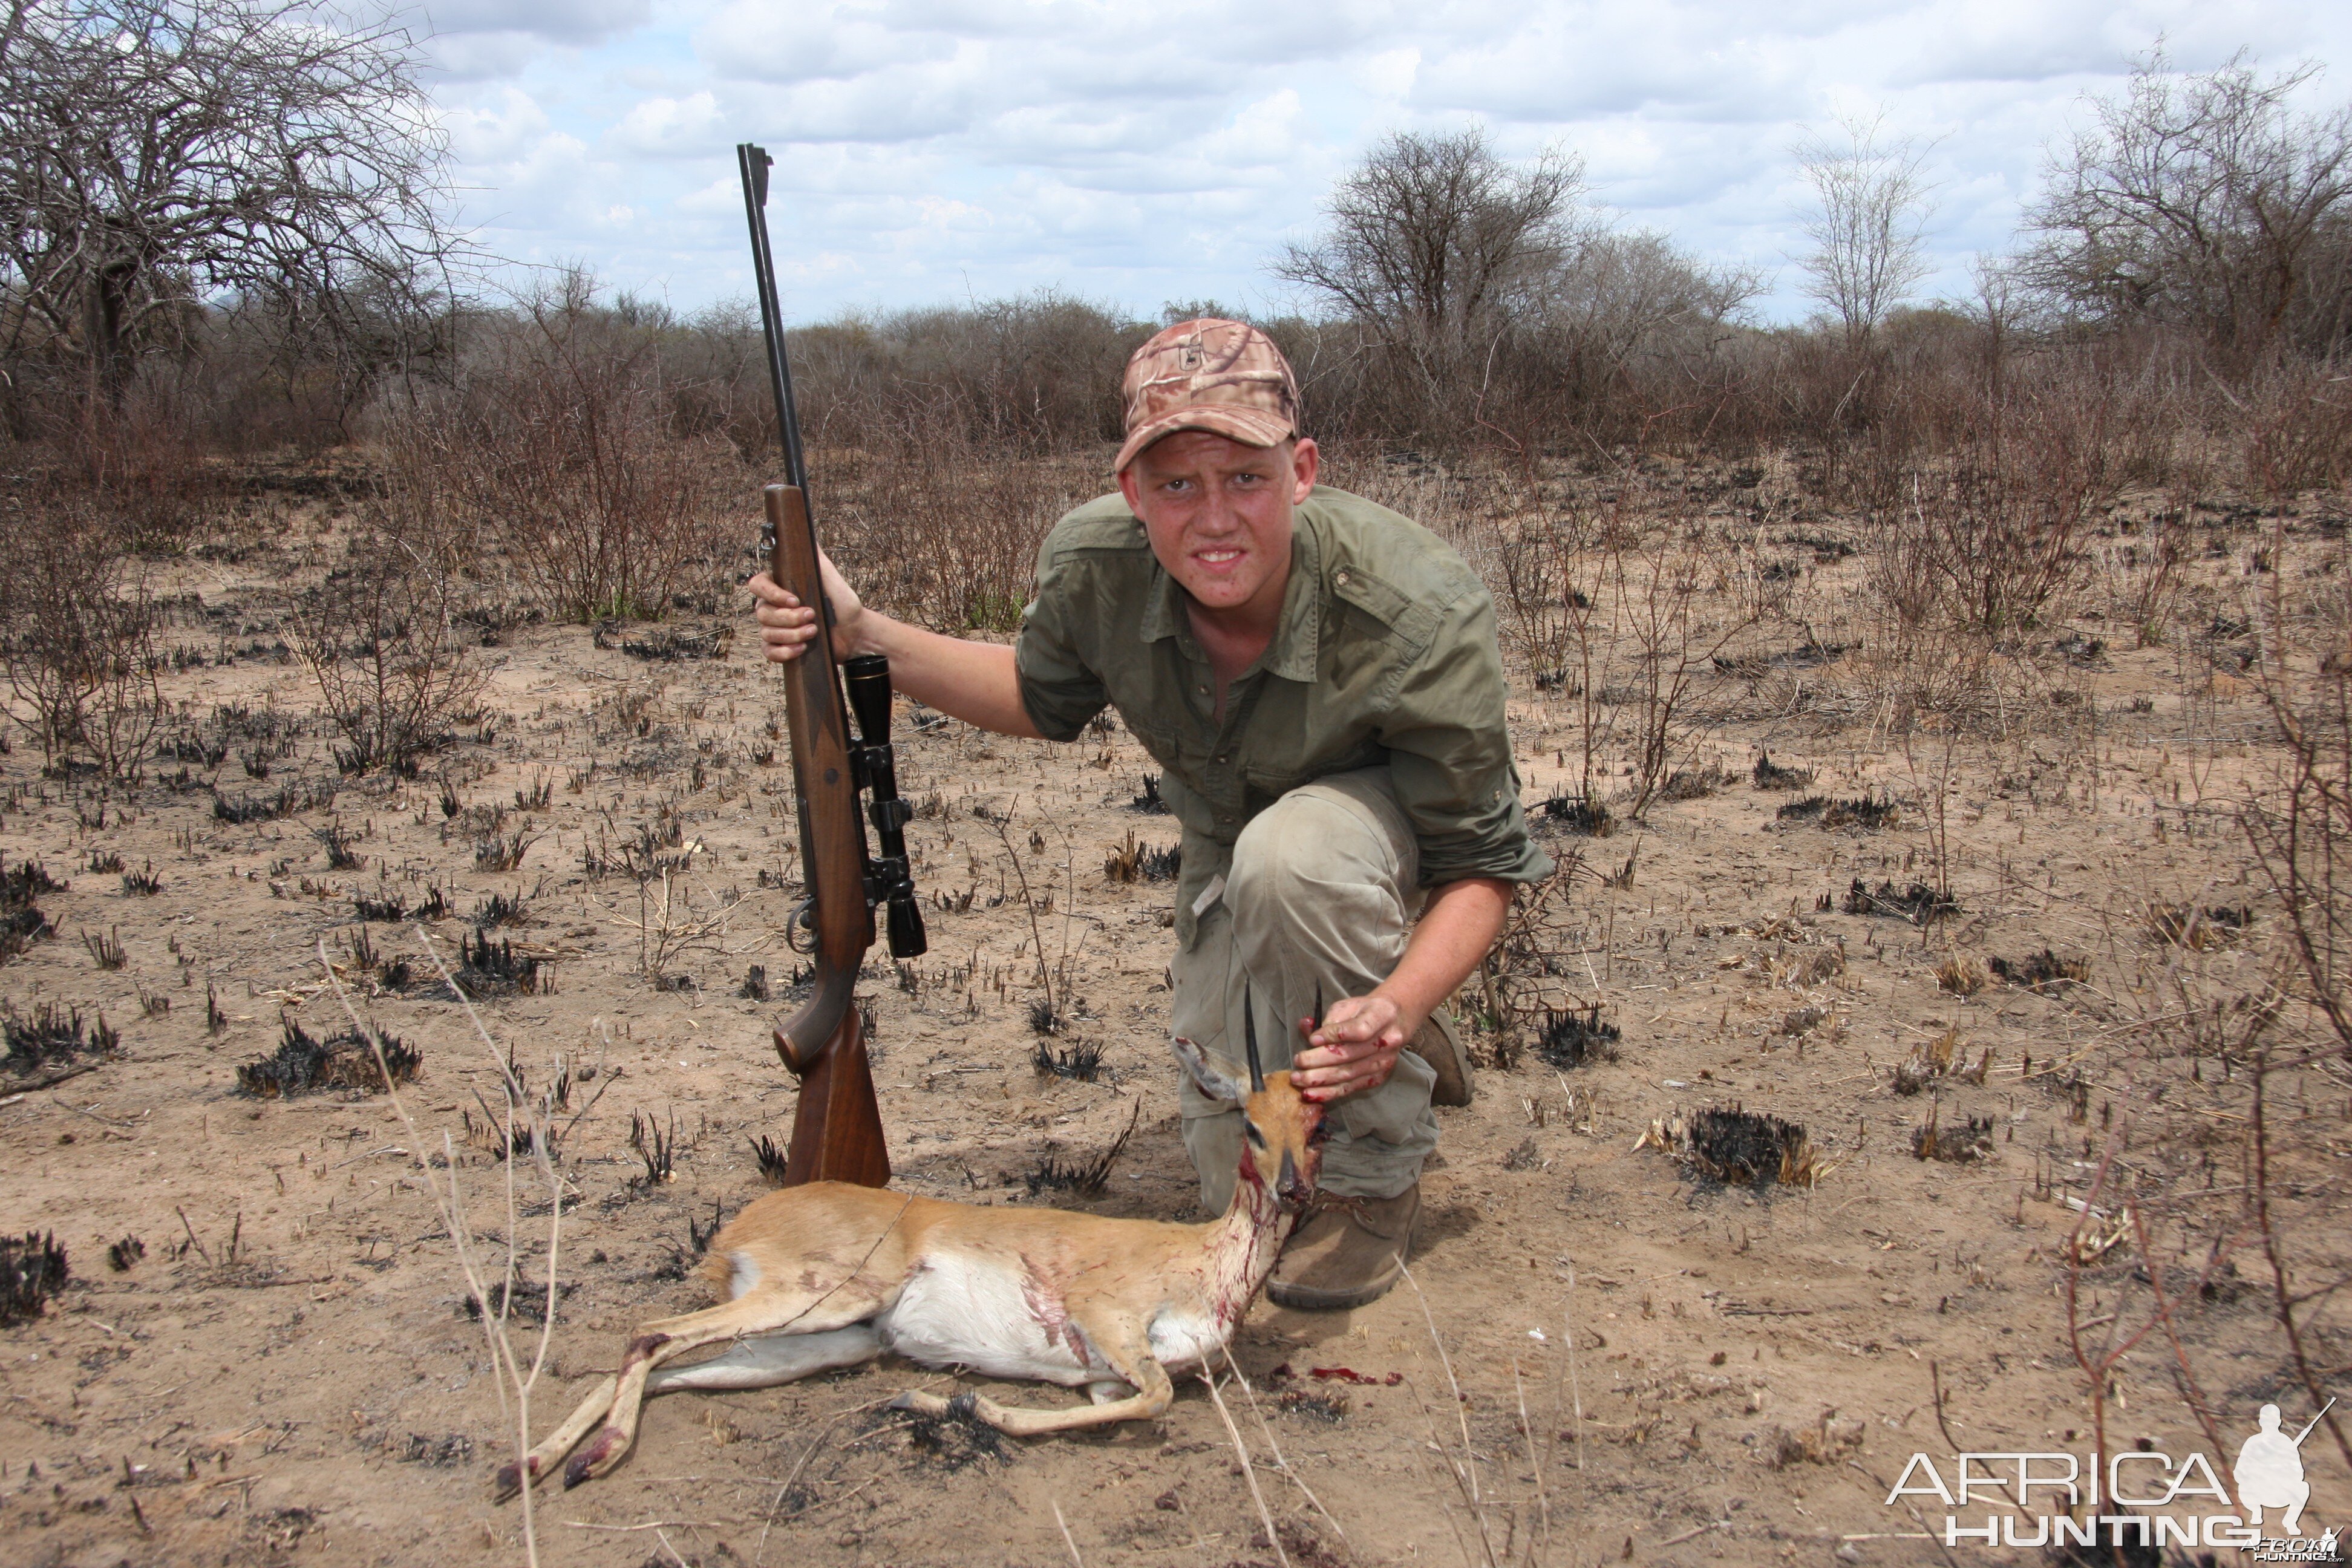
(1221, 759)
(1340, 578)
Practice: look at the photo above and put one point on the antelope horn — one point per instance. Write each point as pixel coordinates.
(1249, 1038)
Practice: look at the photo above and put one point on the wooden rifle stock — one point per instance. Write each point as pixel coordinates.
(838, 1128)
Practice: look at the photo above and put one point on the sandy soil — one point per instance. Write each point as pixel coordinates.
(289, 1369)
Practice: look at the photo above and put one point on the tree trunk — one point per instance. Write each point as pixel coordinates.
(106, 329)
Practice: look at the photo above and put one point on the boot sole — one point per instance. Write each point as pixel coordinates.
(1333, 1298)
(1307, 1299)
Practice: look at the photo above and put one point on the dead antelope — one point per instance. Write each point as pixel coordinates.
(829, 1274)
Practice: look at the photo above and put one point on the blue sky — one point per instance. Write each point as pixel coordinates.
(934, 149)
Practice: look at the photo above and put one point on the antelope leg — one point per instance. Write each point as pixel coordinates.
(1124, 1347)
(750, 1316)
(513, 1477)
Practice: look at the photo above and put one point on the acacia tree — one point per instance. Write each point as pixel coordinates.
(1436, 239)
(2205, 201)
(1473, 292)
(1867, 222)
(155, 153)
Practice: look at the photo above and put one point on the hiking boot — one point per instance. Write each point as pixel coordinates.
(1346, 1252)
(1439, 1043)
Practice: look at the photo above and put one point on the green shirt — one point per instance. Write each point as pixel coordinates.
(1385, 654)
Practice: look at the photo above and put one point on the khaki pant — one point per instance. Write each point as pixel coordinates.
(1320, 895)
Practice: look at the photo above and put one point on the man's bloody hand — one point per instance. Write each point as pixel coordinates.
(1355, 1048)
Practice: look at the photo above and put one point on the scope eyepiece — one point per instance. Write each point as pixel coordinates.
(903, 917)
(868, 677)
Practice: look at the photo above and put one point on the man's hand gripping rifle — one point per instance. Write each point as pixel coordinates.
(838, 1129)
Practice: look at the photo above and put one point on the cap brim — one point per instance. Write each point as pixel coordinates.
(1250, 426)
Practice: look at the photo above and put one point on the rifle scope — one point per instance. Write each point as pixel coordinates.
(888, 879)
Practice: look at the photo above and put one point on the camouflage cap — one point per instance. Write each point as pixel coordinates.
(1225, 377)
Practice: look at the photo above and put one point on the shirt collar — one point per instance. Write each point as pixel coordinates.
(1163, 609)
(1297, 636)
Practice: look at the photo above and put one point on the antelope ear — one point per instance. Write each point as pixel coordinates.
(1206, 1076)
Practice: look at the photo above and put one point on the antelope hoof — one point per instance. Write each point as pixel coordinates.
(508, 1481)
(597, 1457)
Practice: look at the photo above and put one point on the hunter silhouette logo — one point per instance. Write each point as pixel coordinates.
(2138, 1498)
(2269, 1471)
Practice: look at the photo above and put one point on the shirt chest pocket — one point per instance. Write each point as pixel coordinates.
(1158, 737)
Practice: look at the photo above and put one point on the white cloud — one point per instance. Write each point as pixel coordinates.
(566, 21)
(1273, 131)
(785, 44)
(1139, 150)
(1388, 75)
(480, 40)
(493, 127)
(669, 127)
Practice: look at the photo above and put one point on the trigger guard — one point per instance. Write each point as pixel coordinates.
(802, 919)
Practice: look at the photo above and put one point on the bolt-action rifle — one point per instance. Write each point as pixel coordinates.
(838, 1128)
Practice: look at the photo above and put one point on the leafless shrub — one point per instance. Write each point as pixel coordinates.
(77, 639)
(391, 669)
(142, 465)
(2253, 1059)
(2143, 576)
(1540, 577)
(2301, 827)
(1027, 376)
(1550, 571)
(1987, 537)
(1660, 599)
(947, 530)
(2295, 424)
(1910, 672)
(557, 446)
(1624, 308)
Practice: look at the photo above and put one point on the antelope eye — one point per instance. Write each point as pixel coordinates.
(1321, 1136)
(1256, 1137)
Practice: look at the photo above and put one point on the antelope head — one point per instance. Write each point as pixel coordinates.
(1282, 1133)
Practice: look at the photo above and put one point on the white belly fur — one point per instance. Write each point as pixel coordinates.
(964, 1311)
(1184, 1338)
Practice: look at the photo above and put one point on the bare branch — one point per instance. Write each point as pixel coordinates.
(2203, 201)
(155, 155)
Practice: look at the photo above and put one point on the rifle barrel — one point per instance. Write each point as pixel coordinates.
(755, 163)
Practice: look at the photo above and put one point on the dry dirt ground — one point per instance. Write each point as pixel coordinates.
(289, 1368)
